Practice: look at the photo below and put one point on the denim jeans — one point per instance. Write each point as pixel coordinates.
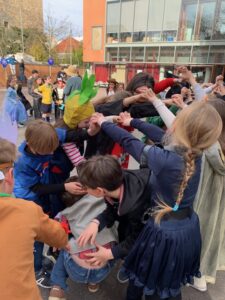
(38, 250)
(66, 267)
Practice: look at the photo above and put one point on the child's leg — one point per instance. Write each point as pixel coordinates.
(156, 297)
(59, 274)
(38, 250)
(134, 292)
(48, 117)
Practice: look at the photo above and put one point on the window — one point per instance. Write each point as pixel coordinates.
(6, 24)
(140, 20)
(152, 54)
(112, 54)
(200, 55)
(206, 15)
(219, 32)
(155, 20)
(127, 17)
(166, 54)
(137, 54)
(183, 54)
(97, 38)
(217, 55)
(113, 21)
(171, 19)
(124, 54)
(187, 20)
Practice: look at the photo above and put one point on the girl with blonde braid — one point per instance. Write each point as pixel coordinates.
(167, 252)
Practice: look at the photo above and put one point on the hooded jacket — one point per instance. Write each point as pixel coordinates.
(210, 206)
(128, 211)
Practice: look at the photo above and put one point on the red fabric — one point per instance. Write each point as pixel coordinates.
(65, 225)
(120, 153)
(163, 84)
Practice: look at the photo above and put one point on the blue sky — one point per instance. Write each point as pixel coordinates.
(71, 9)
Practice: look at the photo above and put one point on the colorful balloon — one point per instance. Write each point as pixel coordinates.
(51, 61)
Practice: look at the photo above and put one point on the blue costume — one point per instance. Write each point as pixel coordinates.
(14, 107)
(167, 255)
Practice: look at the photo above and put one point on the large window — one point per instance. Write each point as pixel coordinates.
(206, 13)
(187, 20)
(171, 20)
(167, 54)
(217, 55)
(124, 54)
(127, 17)
(155, 20)
(152, 54)
(183, 54)
(219, 31)
(113, 21)
(200, 55)
(140, 20)
(137, 54)
(112, 54)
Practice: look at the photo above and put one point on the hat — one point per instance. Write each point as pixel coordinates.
(71, 70)
(78, 106)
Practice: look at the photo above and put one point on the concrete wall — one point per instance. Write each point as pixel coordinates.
(31, 12)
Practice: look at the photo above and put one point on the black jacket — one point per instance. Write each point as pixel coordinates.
(128, 212)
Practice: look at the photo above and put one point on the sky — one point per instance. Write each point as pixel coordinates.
(69, 9)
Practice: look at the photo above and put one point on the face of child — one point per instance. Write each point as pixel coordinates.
(60, 84)
(13, 82)
(48, 80)
(84, 123)
(39, 81)
(142, 89)
(111, 86)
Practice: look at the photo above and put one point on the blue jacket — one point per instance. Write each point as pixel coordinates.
(31, 169)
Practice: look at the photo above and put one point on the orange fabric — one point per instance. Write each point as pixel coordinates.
(21, 223)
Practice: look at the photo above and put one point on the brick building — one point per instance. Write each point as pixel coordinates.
(30, 12)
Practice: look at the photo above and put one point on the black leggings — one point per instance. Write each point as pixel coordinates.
(135, 293)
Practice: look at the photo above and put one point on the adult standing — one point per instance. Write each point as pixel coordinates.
(74, 81)
(31, 85)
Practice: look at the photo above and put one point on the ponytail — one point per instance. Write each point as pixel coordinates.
(163, 208)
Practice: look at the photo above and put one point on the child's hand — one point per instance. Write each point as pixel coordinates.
(88, 235)
(75, 188)
(98, 118)
(125, 119)
(100, 257)
(178, 101)
(150, 96)
(93, 129)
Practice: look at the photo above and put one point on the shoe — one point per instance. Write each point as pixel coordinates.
(52, 256)
(56, 293)
(93, 287)
(20, 125)
(43, 279)
(47, 264)
(199, 284)
(122, 276)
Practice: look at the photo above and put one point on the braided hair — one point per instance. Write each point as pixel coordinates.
(196, 128)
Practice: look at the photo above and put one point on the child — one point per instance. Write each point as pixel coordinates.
(79, 212)
(58, 97)
(167, 252)
(127, 196)
(12, 105)
(45, 91)
(22, 223)
(32, 180)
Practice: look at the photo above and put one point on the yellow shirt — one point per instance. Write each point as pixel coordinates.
(46, 91)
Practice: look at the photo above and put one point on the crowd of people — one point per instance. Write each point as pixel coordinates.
(164, 221)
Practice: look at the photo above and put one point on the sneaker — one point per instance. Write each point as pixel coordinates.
(56, 293)
(199, 284)
(122, 276)
(93, 287)
(43, 279)
(20, 125)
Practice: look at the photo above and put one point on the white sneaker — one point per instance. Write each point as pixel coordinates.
(200, 284)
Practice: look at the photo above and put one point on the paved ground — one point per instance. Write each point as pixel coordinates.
(112, 290)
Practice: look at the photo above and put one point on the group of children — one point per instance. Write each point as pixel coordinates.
(145, 217)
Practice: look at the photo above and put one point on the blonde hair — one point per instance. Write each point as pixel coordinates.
(196, 128)
(41, 137)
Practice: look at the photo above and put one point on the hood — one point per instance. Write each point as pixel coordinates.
(215, 157)
(137, 187)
